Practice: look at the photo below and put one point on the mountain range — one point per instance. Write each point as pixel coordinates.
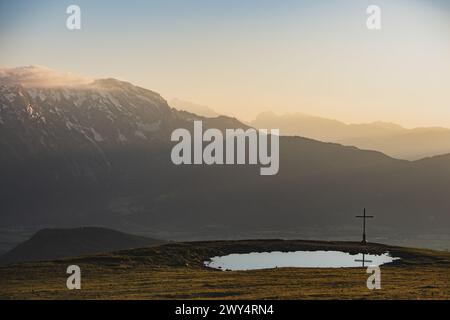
(389, 138)
(98, 153)
(191, 107)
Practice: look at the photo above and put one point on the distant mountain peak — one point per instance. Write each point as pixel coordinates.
(198, 109)
(386, 125)
(387, 137)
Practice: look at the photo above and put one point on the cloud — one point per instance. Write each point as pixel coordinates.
(38, 76)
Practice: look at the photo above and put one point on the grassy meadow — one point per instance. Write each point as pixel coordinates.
(176, 271)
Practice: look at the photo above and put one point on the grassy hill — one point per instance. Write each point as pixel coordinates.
(50, 244)
(176, 271)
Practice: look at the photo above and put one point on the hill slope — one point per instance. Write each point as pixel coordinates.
(49, 244)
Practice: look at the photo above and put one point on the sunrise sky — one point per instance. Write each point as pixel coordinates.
(242, 57)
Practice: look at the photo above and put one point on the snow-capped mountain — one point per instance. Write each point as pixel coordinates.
(39, 120)
(92, 116)
(65, 134)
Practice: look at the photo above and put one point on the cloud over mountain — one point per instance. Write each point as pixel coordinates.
(38, 76)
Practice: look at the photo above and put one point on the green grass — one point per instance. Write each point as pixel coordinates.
(176, 271)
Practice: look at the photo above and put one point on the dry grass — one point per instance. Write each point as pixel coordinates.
(175, 271)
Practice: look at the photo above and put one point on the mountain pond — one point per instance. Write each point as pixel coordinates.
(297, 259)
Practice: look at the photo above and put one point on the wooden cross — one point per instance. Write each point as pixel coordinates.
(364, 225)
(363, 260)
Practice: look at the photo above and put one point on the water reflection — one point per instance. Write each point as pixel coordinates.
(299, 259)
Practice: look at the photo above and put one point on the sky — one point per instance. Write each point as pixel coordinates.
(242, 57)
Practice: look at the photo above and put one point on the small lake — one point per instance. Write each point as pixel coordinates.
(297, 259)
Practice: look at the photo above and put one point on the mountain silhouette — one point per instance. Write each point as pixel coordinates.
(50, 244)
(389, 138)
(99, 154)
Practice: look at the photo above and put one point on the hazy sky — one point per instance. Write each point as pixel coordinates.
(242, 57)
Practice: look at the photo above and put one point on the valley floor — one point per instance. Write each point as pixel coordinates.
(176, 271)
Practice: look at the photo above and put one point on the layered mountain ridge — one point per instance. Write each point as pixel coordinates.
(98, 153)
(389, 138)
